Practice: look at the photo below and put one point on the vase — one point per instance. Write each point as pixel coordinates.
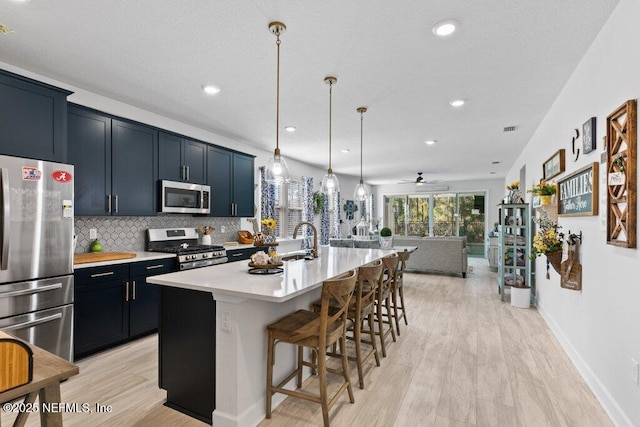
(520, 296)
(545, 199)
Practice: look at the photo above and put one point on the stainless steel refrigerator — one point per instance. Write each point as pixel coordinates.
(36, 253)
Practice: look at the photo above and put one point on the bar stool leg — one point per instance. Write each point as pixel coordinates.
(394, 297)
(300, 348)
(322, 376)
(372, 333)
(356, 332)
(345, 368)
(381, 327)
(390, 317)
(404, 311)
(270, 345)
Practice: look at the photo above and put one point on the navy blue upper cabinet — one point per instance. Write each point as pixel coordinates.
(33, 118)
(115, 164)
(182, 159)
(231, 178)
(134, 159)
(89, 150)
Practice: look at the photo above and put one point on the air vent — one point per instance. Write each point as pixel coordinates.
(509, 129)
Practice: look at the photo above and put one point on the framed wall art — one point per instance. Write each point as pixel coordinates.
(578, 192)
(554, 165)
(589, 136)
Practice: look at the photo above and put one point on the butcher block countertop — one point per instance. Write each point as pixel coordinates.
(298, 277)
(122, 258)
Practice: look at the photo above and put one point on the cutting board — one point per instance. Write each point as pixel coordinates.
(101, 256)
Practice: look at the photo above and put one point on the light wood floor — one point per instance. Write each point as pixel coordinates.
(465, 359)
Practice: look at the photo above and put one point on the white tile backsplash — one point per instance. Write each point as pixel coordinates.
(126, 234)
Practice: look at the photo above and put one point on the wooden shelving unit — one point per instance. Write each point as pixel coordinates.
(514, 247)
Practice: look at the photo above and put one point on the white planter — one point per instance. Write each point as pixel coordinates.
(386, 242)
(520, 297)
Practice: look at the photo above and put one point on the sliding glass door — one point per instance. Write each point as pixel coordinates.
(444, 214)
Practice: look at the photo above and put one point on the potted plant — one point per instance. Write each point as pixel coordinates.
(386, 238)
(545, 190)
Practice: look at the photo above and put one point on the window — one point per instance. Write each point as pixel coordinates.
(288, 206)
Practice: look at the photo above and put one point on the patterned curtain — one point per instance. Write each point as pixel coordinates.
(337, 216)
(307, 209)
(268, 196)
(324, 221)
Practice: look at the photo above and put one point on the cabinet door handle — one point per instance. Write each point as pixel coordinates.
(126, 292)
(183, 172)
(116, 203)
(151, 267)
(108, 273)
(109, 203)
(134, 290)
(234, 255)
(188, 173)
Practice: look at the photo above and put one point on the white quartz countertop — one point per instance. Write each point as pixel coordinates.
(140, 256)
(298, 277)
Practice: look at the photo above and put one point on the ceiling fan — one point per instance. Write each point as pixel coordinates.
(420, 182)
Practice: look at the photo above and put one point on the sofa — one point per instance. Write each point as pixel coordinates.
(436, 254)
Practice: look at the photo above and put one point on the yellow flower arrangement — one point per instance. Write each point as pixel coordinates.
(513, 186)
(269, 223)
(544, 188)
(547, 239)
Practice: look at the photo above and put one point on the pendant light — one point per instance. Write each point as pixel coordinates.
(330, 184)
(277, 170)
(361, 192)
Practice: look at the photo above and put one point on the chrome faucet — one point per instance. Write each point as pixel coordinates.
(315, 236)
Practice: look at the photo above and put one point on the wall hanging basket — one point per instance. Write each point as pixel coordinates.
(554, 258)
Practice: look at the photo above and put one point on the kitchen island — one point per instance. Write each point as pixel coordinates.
(212, 331)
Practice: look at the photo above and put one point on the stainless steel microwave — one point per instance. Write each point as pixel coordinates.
(182, 197)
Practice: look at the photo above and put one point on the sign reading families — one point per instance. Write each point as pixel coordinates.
(578, 192)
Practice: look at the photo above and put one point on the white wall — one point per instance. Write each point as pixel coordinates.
(599, 327)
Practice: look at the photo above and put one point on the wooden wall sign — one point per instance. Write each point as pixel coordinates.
(554, 165)
(621, 141)
(578, 192)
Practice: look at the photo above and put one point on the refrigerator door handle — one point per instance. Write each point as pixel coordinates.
(6, 215)
(25, 325)
(31, 290)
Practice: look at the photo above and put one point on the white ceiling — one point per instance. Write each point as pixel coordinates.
(509, 60)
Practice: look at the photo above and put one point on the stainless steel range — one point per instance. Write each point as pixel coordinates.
(184, 243)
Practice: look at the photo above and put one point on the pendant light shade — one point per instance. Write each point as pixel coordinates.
(277, 170)
(330, 184)
(361, 192)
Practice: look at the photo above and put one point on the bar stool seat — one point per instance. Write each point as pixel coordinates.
(317, 331)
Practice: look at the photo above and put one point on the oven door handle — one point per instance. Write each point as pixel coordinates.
(6, 215)
(36, 322)
(31, 290)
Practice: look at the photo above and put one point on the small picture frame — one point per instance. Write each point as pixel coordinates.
(554, 165)
(589, 136)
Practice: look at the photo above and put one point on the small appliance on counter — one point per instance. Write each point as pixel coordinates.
(184, 243)
(36, 253)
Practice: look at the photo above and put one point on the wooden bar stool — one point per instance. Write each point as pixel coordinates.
(397, 297)
(361, 308)
(383, 300)
(317, 331)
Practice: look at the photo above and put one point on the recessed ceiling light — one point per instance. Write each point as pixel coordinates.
(210, 90)
(492, 173)
(495, 162)
(290, 128)
(445, 28)
(345, 150)
(430, 141)
(457, 103)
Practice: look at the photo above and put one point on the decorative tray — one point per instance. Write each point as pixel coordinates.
(265, 268)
